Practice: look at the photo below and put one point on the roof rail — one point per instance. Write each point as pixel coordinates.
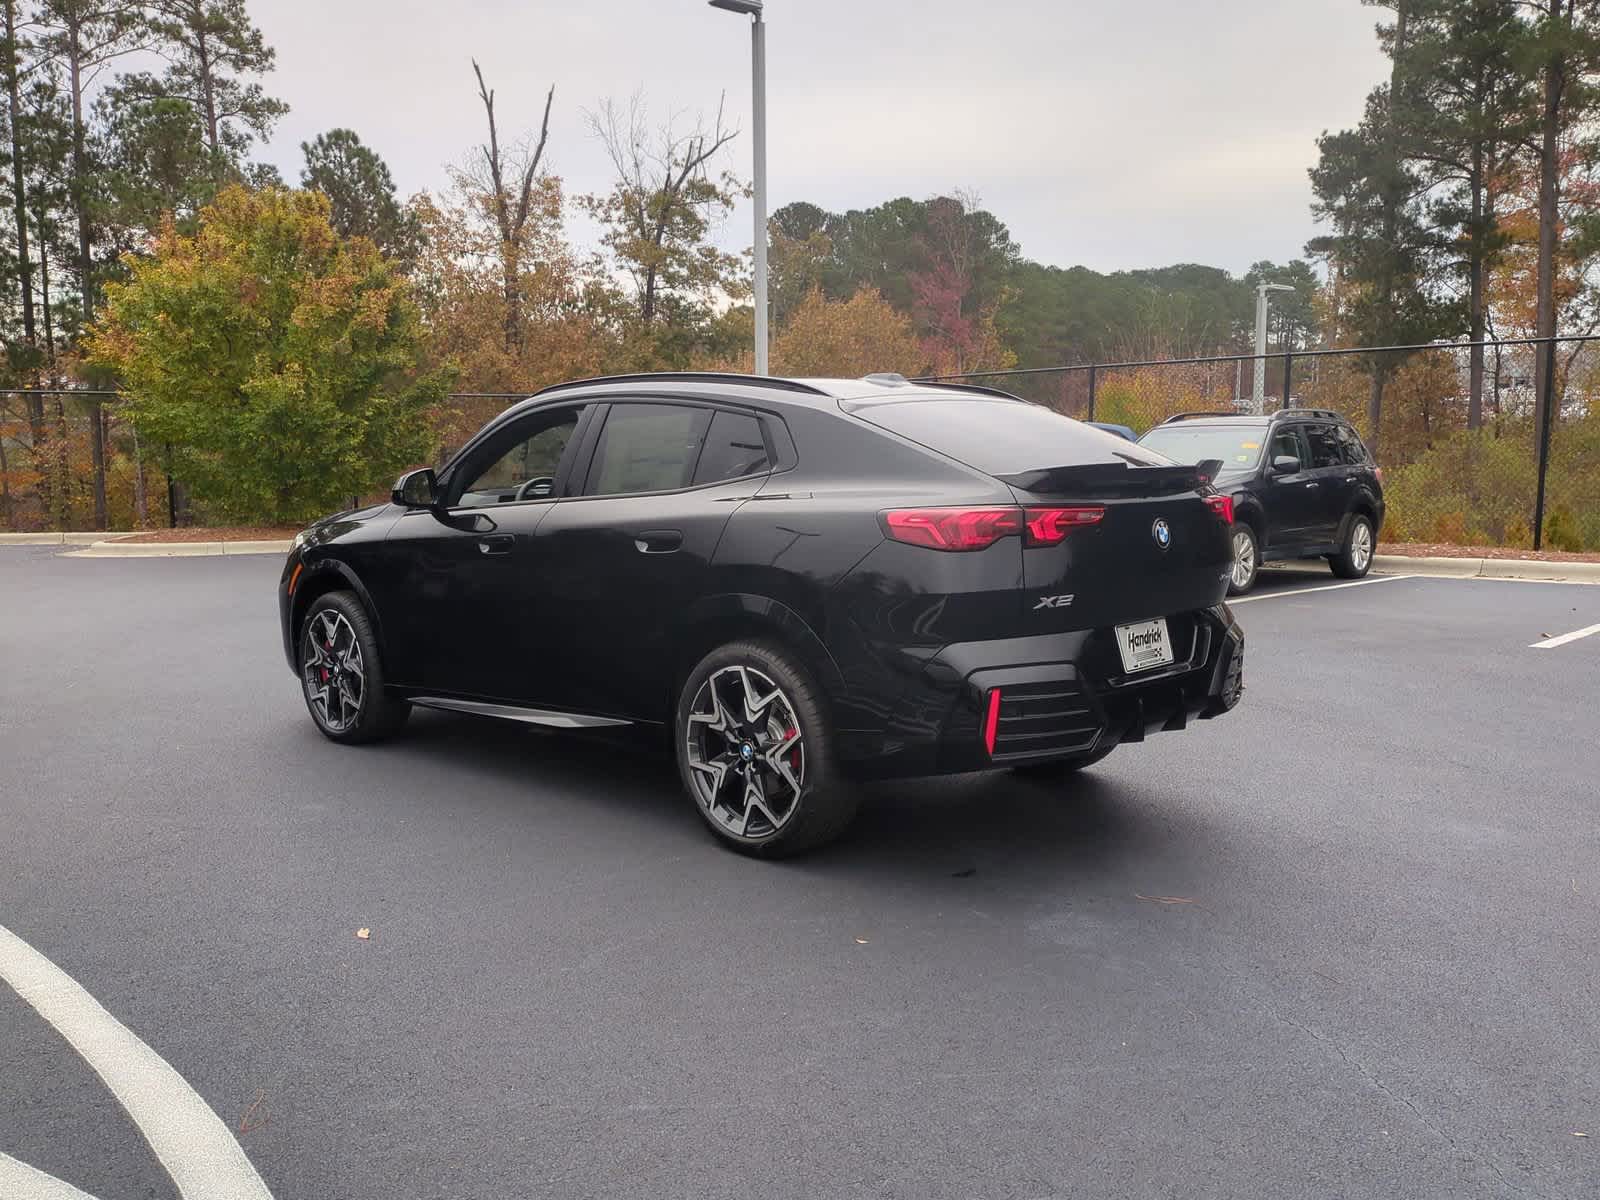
(1191, 416)
(1324, 413)
(765, 381)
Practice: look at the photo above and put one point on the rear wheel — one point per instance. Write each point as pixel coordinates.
(1061, 768)
(755, 752)
(1355, 557)
(1246, 560)
(342, 675)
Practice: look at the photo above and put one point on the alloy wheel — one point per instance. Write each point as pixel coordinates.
(745, 752)
(1361, 545)
(1244, 558)
(332, 670)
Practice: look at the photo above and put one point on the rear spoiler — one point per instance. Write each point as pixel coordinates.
(1115, 479)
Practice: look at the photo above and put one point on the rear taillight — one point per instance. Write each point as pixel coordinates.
(1050, 526)
(1222, 506)
(980, 528)
(953, 528)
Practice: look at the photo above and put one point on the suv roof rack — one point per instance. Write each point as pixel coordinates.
(1322, 413)
(1191, 416)
(763, 381)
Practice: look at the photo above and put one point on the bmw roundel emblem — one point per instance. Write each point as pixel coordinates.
(1162, 532)
(746, 751)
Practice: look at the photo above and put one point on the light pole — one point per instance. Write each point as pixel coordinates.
(1258, 396)
(758, 103)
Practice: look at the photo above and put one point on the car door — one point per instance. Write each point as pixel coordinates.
(631, 550)
(1329, 481)
(461, 571)
(1287, 498)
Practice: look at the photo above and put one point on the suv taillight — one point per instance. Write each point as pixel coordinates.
(958, 529)
(1222, 506)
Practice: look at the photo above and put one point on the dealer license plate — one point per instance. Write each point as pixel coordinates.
(1144, 645)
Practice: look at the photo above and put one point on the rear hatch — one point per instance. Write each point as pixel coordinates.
(1137, 538)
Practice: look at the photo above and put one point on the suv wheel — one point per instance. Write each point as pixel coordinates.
(1246, 560)
(755, 752)
(341, 674)
(1355, 557)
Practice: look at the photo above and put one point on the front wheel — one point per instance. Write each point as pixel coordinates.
(1246, 560)
(755, 752)
(342, 675)
(1354, 559)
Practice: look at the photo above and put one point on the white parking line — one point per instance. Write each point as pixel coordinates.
(1327, 587)
(1552, 643)
(19, 1181)
(188, 1139)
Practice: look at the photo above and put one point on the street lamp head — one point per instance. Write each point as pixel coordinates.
(750, 8)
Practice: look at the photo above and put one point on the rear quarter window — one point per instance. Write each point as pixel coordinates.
(1001, 437)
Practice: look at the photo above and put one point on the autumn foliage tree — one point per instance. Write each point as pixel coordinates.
(847, 338)
(278, 359)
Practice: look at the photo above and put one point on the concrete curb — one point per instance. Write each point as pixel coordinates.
(56, 539)
(1487, 568)
(106, 549)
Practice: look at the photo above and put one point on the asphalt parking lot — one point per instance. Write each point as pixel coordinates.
(1342, 942)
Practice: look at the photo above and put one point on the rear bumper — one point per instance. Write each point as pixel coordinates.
(1061, 695)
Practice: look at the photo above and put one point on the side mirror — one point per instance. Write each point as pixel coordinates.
(416, 489)
(1285, 464)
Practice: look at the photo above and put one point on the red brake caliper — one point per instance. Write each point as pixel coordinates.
(329, 647)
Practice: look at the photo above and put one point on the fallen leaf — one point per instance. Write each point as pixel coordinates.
(245, 1124)
(861, 941)
(967, 874)
(363, 933)
(1164, 899)
(1575, 1133)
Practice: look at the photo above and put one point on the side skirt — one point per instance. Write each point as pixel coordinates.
(512, 712)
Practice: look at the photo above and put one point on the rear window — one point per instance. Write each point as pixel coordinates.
(1238, 446)
(1002, 437)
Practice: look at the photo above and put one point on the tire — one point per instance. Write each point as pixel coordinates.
(1246, 559)
(341, 674)
(1354, 559)
(749, 716)
(1060, 768)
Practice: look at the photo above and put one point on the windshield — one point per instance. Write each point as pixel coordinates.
(1238, 446)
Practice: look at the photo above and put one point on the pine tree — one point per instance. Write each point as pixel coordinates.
(358, 185)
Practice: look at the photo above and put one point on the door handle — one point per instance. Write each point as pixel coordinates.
(495, 545)
(658, 541)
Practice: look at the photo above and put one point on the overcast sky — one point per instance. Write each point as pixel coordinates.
(1112, 134)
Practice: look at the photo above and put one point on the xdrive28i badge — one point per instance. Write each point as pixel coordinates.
(1162, 532)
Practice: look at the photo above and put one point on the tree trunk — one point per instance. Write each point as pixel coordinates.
(141, 498)
(19, 199)
(80, 201)
(1393, 198)
(1475, 267)
(1380, 376)
(5, 483)
(511, 270)
(208, 94)
(1555, 79)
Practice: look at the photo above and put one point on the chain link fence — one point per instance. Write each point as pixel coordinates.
(1444, 482)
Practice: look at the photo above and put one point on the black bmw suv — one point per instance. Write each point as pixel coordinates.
(1302, 482)
(803, 582)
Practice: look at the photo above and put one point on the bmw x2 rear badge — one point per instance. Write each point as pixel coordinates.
(1162, 533)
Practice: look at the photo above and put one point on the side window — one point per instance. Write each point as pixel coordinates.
(1325, 448)
(1286, 443)
(522, 465)
(647, 448)
(735, 447)
(1350, 444)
